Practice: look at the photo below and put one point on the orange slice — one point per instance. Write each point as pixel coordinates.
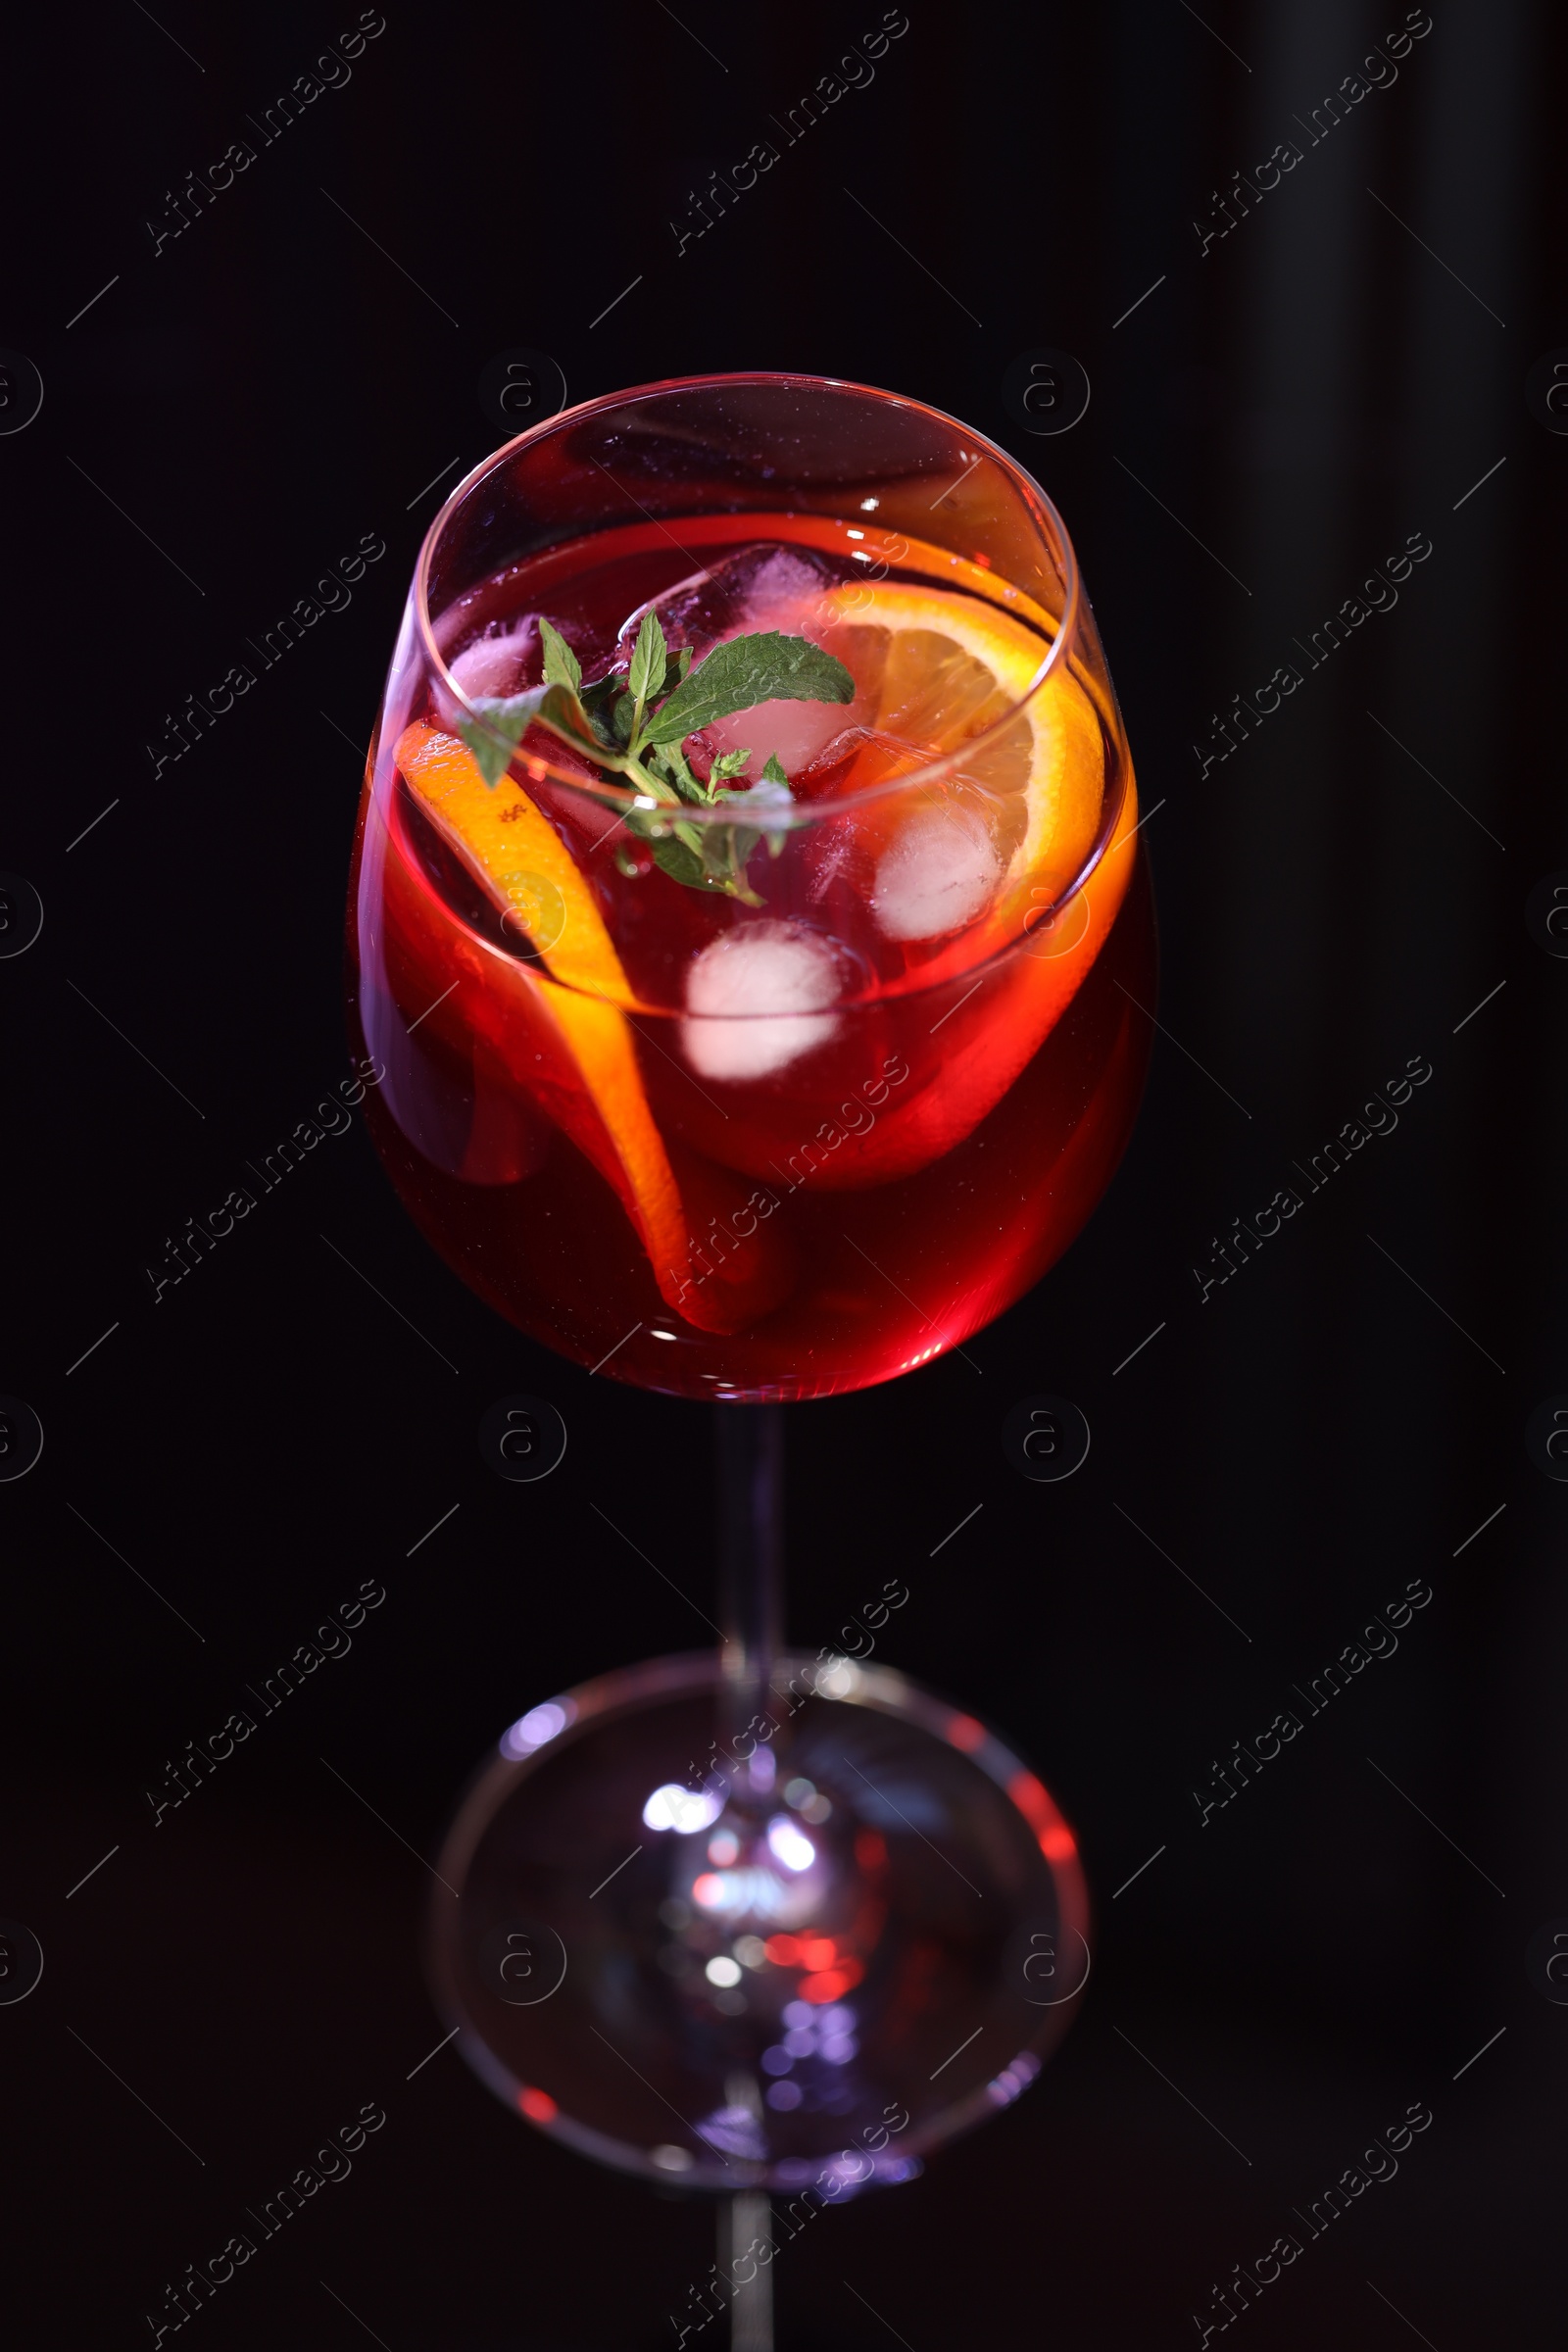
(565, 1038)
(945, 668)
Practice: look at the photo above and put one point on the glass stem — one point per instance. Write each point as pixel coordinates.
(751, 1553)
(751, 1550)
(742, 2222)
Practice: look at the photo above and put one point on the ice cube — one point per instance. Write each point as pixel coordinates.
(939, 871)
(496, 664)
(831, 764)
(756, 1000)
(779, 589)
(836, 864)
(792, 733)
(758, 588)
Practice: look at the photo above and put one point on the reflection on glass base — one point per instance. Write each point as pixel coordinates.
(753, 1970)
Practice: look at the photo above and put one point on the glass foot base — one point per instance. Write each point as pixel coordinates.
(804, 1965)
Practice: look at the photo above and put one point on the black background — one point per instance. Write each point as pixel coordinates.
(219, 426)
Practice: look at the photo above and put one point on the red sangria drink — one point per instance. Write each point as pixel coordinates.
(745, 909)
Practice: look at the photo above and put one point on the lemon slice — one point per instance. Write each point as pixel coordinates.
(942, 669)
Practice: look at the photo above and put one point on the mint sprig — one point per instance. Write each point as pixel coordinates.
(634, 727)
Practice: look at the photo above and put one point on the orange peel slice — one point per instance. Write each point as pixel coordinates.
(516, 853)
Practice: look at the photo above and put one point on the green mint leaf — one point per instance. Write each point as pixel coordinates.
(503, 719)
(493, 735)
(727, 764)
(711, 858)
(621, 717)
(669, 764)
(561, 710)
(725, 852)
(650, 657)
(747, 670)
(597, 700)
(727, 849)
(683, 663)
(561, 665)
(674, 858)
(772, 790)
(490, 757)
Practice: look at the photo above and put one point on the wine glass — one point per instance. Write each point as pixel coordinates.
(754, 1059)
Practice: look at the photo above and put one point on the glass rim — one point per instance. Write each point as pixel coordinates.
(799, 815)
